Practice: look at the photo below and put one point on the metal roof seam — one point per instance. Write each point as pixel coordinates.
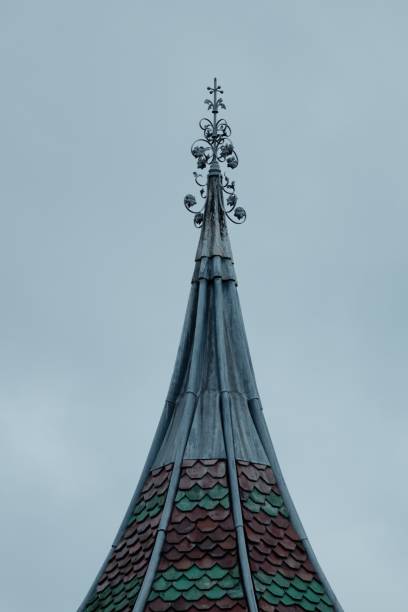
(262, 428)
(157, 441)
(230, 451)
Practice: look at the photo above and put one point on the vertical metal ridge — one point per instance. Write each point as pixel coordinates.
(186, 423)
(246, 573)
(157, 441)
(154, 560)
(230, 451)
(258, 418)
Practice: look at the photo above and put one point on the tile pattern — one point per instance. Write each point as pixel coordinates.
(119, 585)
(283, 576)
(199, 569)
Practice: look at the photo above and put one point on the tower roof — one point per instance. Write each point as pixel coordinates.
(211, 525)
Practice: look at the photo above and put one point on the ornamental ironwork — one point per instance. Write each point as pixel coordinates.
(214, 147)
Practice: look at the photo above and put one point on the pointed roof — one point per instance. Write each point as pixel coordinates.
(211, 525)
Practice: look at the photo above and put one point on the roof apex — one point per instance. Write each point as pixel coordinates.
(212, 148)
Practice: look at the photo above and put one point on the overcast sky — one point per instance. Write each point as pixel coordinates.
(99, 105)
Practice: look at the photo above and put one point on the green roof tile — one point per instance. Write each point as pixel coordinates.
(271, 598)
(323, 607)
(205, 583)
(312, 596)
(196, 493)
(280, 580)
(306, 605)
(217, 573)
(252, 506)
(228, 582)
(300, 584)
(170, 594)
(194, 594)
(215, 593)
(292, 592)
(317, 587)
(270, 510)
(287, 600)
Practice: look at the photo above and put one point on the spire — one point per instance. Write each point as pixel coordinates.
(211, 525)
(213, 148)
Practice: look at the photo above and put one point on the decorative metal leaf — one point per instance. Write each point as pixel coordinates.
(198, 219)
(240, 213)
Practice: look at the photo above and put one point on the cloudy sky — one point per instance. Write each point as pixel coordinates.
(99, 104)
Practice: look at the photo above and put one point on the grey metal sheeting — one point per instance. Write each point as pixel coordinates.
(206, 439)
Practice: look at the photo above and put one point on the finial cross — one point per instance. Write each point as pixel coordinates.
(215, 104)
(215, 146)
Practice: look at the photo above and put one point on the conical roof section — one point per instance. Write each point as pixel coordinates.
(211, 525)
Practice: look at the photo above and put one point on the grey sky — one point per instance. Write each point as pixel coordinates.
(99, 105)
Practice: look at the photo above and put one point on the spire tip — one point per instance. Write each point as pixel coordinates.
(215, 147)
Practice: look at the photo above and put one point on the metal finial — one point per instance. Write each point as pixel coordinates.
(213, 147)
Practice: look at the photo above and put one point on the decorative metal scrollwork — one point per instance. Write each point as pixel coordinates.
(215, 146)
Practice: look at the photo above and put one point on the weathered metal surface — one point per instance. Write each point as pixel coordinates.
(214, 238)
(209, 268)
(206, 440)
(239, 375)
